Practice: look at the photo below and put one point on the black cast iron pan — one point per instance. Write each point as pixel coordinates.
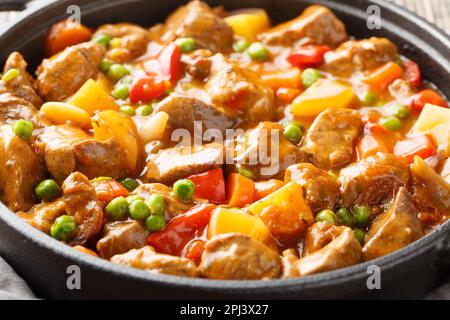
(44, 262)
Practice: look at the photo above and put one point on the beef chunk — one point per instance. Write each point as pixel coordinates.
(24, 85)
(238, 257)
(82, 204)
(171, 164)
(239, 92)
(330, 140)
(184, 110)
(199, 21)
(198, 64)
(66, 149)
(289, 261)
(173, 205)
(63, 74)
(319, 235)
(320, 189)
(266, 152)
(394, 229)
(133, 44)
(359, 55)
(21, 170)
(43, 215)
(13, 108)
(146, 258)
(316, 24)
(120, 237)
(373, 180)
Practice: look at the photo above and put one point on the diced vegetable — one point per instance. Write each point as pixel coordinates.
(166, 65)
(310, 76)
(60, 113)
(180, 230)
(23, 128)
(419, 100)
(133, 198)
(225, 220)
(156, 204)
(398, 110)
(361, 215)
(240, 190)
(128, 183)
(327, 216)
(210, 185)
(360, 235)
(155, 222)
(102, 39)
(64, 228)
(107, 190)
(147, 88)
(104, 82)
(184, 189)
(121, 92)
(264, 188)
(391, 123)
(293, 133)
(290, 78)
(48, 190)
(64, 34)
(91, 97)
(258, 51)
(186, 44)
(111, 124)
(194, 250)
(139, 210)
(117, 71)
(384, 76)
(241, 45)
(369, 145)
(421, 145)
(145, 110)
(287, 95)
(128, 110)
(308, 55)
(117, 209)
(249, 24)
(345, 217)
(368, 98)
(412, 73)
(322, 95)
(436, 121)
(152, 128)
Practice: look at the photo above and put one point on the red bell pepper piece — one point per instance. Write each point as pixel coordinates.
(210, 185)
(181, 229)
(109, 189)
(412, 73)
(194, 250)
(421, 145)
(419, 100)
(308, 55)
(147, 88)
(166, 65)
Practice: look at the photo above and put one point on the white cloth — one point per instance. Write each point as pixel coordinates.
(12, 287)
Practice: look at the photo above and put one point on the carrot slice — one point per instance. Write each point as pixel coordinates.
(384, 76)
(240, 190)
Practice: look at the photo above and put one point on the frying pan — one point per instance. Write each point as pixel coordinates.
(49, 266)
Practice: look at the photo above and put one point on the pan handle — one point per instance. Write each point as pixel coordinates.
(13, 5)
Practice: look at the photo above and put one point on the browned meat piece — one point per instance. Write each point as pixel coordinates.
(120, 237)
(343, 251)
(359, 55)
(66, 149)
(320, 189)
(239, 91)
(63, 74)
(13, 108)
(199, 21)
(146, 258)
(173, 205)
(134, 40)
(289, 261)
(236, 256)
(198, 64)
(330, 140)
(184, 110)
(175, 163)
(82, 204)
(445, 171)
(318, 236)
(20, 172)
(316, 24)
(24, 85)
(394, 229)
(373, 180)
(266, 152)
(43, 215)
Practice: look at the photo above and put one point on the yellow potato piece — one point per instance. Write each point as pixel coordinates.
(111, 124)
(249, 24)
(225, 220)
(92, 97)
(104, 82)
(322, 95)
(436, 121)
(60, 113)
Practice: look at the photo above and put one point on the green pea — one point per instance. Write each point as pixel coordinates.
(240, 45)
(144, 110)
(105, 64)
(184, 189)
(369, 98)
(126, 80)
(326, 216)
(362, 215)
(102, 39)
(186, 44)
(310, 76)
(155, 222)
(128, 110)
(156, 204)
(117, 71)
(48, 190)
(118, 209)
(293, 133)
(64, 228)
(258, 51)
(128, 183)
(246, 173)
(23, 129)
(11, 74)
(398, 110)
(116, 42)
(133, 198)
(139, 210)
(391, 123)
(121, 92)
(360, 235)
(345, 217)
